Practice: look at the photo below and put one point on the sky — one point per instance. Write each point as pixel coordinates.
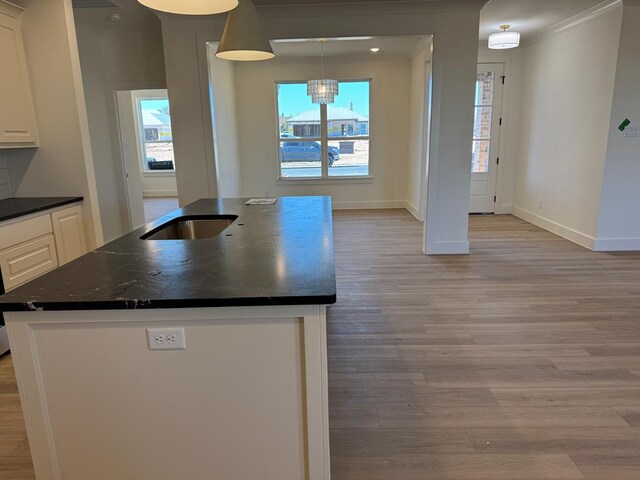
(154, 104)
(293, 98)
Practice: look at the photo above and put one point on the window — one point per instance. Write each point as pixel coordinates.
(154, 118)
(330, 140)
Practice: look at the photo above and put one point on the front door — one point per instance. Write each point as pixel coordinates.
(486, 138)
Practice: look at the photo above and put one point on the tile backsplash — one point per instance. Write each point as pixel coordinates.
(5, 179)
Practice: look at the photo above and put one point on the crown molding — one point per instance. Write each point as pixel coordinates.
(10, 9)
(579, 19)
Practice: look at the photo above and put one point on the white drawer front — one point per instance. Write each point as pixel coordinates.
(27, 261)
(24, 230)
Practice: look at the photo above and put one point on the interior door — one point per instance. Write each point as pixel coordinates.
(486, 137)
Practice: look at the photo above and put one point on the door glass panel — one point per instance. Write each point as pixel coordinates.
(484, 88)
(482, 122)
(480, 159)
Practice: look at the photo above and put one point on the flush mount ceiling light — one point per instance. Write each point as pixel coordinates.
(504, 39)
(242, 38)
(322, 91)
(375, 49)
(191, 7)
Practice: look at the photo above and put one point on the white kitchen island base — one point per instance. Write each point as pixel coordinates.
(246, 400)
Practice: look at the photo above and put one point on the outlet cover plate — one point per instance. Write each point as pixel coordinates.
(166, 339)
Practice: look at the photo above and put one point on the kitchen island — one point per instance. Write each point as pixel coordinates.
(166, 358)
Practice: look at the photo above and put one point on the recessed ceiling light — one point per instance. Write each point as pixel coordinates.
(375, 49)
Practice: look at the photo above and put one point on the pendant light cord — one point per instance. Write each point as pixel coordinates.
(322, 59)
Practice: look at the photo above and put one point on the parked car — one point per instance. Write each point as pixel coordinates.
(298, 150)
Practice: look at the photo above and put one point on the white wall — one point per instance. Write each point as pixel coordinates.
(225, 124)
(418, 128)
(161, 184)
(566, 105)
(455, 29)
(62, 165)
(258, 146)
(116, 59)
(619, 223)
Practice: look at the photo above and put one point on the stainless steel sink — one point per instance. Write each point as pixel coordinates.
(191, 228)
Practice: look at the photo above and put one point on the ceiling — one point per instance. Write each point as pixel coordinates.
(529, 16)
(526, 16)
(333, 47)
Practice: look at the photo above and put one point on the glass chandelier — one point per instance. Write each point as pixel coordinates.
(324, 90)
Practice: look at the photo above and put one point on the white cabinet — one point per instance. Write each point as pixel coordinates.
(32, 246)
(27, 261)
(69, 233)
(17, 119)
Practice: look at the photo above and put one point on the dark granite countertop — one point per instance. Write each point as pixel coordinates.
(278, 254)
(19, 207)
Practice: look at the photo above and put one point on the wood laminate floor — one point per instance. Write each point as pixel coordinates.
(519, 362)
(155, 207)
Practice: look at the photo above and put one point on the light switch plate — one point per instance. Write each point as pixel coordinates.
(166, 339)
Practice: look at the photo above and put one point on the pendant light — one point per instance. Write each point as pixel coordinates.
(242, 38)
(322, 91)
(191, 7)
(504, 39)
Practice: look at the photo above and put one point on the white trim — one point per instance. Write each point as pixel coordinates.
(159, 193)
(325, 180)
(571, 22)
(413, 210)
(447, 248)
(570, 234)
(503, 209)
(617, 244)
(370, 205)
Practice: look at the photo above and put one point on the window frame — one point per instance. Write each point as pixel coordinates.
(324, 127)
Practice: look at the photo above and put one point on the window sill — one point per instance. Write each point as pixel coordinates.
(324, 181)
(159, 173)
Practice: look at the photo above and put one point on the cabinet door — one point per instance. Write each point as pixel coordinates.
(68, 230)
(27, 261)
(17, 120)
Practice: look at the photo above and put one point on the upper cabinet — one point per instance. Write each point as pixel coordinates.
(17, 118)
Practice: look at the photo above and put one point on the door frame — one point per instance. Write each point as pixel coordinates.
(498, 68)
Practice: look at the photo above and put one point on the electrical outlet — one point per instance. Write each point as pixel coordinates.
(540, 203)
(166, 339)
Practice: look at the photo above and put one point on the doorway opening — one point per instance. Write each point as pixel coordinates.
(144, 118)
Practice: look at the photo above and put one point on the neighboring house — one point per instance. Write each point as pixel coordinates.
(157, 126)
(342, 123)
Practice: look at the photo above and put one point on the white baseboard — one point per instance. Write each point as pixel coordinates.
(570, 234)
(448, 248)
(503, 209)
(413, 210)
(617, 245)
(160, 193)
(373, 205)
